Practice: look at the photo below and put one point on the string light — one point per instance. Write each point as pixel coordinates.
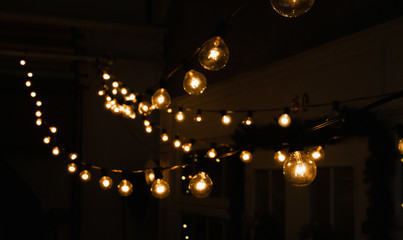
(316, 153)
(28, 83)
(101, 92)
(194, 82)
(115, 84)
(46, 140)
(291, 8)
(131, 97)
(72, 168)
(105, 182)
(280, 156)
(246, 156)
(56, 151)
(187, 147)
(285, 120)
(248, 120)
(38, 103)
(73, 156)
(161, 99)
(164, 136)
(22, 62)
(30, 74)
(33, 94)
(53, 129)
(299, 169)
(146, 123)
(177, 142)
(198, 118)
(169, 110)
(201, 185)
(225, 118)
(38, 113)
(212, 153)
(149, 176)
(114, 91)
(149, 129)
(38, 122)
(214, 54)
(106, 76)
(123, 91)
(160, 189)
(125, 188)
(144, 108)
(85, 175)
(180, 116)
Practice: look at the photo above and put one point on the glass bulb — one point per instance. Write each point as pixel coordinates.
(46, 140)
(145, 108)
(33, 94)
(53, 129)
(105, 183)
(123, 91)
(106, 76)
(101, 92)
(180, 116)
(317, 153)
(30, 74)
(292, 8)
(73, 156)
(38, 113)
(177, 143)
(248, 121)
(114, 91)
(149, 175)
(284, 120)
(187, 147)
(214, 54)
(299, 169)
(201, 185)
(72, 168)
(28, 83)
(280, 156)
(115, 84)
(164, 137)
(38, 122)
(246, 156)
(226, 119)
(149, 129)
(194, 82)
(212, 153)
(160, 189)
(161, 99)
(22, 62)
(401, 146)
(56, 151)
(131, 97)
(198, 118)
(125, 188)
(38, 103)
(85, 176)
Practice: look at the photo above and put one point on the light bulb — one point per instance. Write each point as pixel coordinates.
(161, 99)
(246, 156)
(38, 113)
(248, 121)
(131, 97)
(28, 83)
(291, 8)
(123, 91)
(180, 116)
(214, 54)
(105, 183)
(149, 129)
(212, 153)
(33, 94)
(101, 92)
(198, 118)
(194, 82)
(56, 151)
(164, 137)
(144, 108)
(72, 168)
(22, 62)
(114, 91)
(280, 156)
(38, 122)
(106, 76)
(160, 189)
(30, 74)
(169, 110)
(115, 84)
(201, 185)
(46, 140)
(177, 143)
(284, 120)
(146, 123)
(317, 153)
(125, 188)
(38, 103)
(299, 169)
(187, 147)
(85, 175)
(73, 156)
(149, 176)
(226, 119)
(401, 145)
(132, 115)
(53, 129)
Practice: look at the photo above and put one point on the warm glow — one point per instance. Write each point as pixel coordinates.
(115, 84)
(161, 99)
(164, 137)
(85, 176)
(53, 129)
(105, 183)
(123, 91)
(198, 118)
(28, 83)
(177, 143)
(125, 188)
(401, 146)
(284, 120)
(194, 82)
(299, 169)
(106, 76)
(56, 151)
(38, 113)
(30, 74)
(246, 156)
(280, 156)
(46, 140)
(72, 168)
(73, 156)
(226, 119)
(149, 129)
(187, 147)
(132, 115)
(214, 54)
(248, 121)
(160, 189)
(131, 97)
(22, 62)
(114, 91)
(201, 185)
(38, 122)
(169, 110)
(212, 153)
(184, 226)
(38, 103)
(101, 92)
(149, 176)
(146, 123)
(33, 94)
(144, 108)
(317, 153)
(291, 8)
(180, 116)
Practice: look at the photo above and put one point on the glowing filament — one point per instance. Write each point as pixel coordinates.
(213, 54)
(300, 170)
(200, 186)
(195, 83)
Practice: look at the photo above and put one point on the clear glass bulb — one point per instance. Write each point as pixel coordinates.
(105, 183)
(248, 121)
(164, 137)
(149, 176)
(144, 108)
(73, 156)
(401, 146)
(33, 94)
(28, 83)
(106, 76)
(201, 185)
(125, 188)
(38, 103)
(246, 156)
(72, 168)
(187, 147)
(56, 151)
(85, 176)
(291, 8)
(22, 62)
(177, 143)
(194, 82)
(316, 153)
(214, 54)
(46, 140)
(38, 113)
(180, 116)
(226, 119)
(115, 84)
(284, 120)
(299, 169)
(38, 122)
(212, 153)
(280, 156)
(161, 99)
(53, 129)
(160, 189)
(30, 74)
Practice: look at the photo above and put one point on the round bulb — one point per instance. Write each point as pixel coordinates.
(72, 168)
(161, 99)
(125, 188)
(73, 156)
(56, 151)
(317, 153)
(226, 119)
(123, 91)
(105, 183)
(212, 153)
(187, 147)
(131, 97)
(22, 62)
(46, 140)
(146, 122)
(160, 189)
(38, 103)
(401, 146)
(164, 137)
(144, 108)
(38, 122)
(291, 8)
(280, 156)
(149, 176)
(180, 116)
(246, 156)
(198, 118)
(149, 129)
(284, 120)
(28, 83)
(30, 74)
(106, 76)
(201, 185)
(299, 169)
(38, 113)
(101, 92)
(33, 94)
(114, 91)
(115, 84)
(177, 143)
(132, 115)
(85, 176)
(194, 82)
(214, 54)
(53, 129)
(248, 121)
